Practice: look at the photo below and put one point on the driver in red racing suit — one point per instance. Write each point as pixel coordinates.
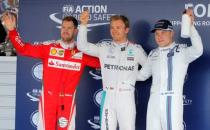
(63, 65)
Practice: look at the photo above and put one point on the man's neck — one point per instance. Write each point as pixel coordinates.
(121, 41)
(167, 46)
(68, 44)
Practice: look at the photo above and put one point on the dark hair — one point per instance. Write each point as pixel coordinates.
(121, 17)
(69, 19)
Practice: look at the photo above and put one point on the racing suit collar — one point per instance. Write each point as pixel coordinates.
(167, 47)
(121, 45)
(67, 46)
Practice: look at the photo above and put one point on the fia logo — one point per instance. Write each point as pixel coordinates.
(68, 9)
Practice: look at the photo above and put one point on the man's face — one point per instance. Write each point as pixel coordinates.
(68, 31)
(163, 37)
(118, 31)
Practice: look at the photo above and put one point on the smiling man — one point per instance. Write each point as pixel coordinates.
(63, 65)
(119, 61)
(168, 65)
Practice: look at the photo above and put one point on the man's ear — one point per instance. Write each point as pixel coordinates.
(127, 30)
(172, 34)
(75, 32)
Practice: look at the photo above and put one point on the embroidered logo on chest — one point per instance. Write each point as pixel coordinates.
(130, 55)
(57, 52)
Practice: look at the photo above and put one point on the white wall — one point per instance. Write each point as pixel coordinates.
(7, 92)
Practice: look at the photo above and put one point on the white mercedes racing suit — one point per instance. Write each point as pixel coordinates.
(168, 67)
(119, 68)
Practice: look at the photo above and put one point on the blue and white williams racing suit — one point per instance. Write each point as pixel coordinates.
(168, 67)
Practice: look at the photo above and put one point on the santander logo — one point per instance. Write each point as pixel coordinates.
(61, 64)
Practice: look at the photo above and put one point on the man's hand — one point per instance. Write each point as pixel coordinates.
(9, 21)
(84, 17)
(191, 15)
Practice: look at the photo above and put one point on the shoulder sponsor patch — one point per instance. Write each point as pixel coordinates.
(58, 52)
(61, 64)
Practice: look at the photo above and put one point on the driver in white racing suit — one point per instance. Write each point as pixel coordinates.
(119, 61)
(168, 65)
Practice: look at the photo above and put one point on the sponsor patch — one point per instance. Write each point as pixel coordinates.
(117, 67)
(58, 52)
(77, 55)
(130, 53)
(61, 52)
(110, 56)
(62, 122)
(54, 63)
(130, 58)
(53, 51)
(73, 52)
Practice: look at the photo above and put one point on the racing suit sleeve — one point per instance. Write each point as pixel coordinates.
(91, 61)
(26, 49)
(196, 50)
(146, 71)
(142, 55)
(83, 45)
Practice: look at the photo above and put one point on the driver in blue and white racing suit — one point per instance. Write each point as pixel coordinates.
(168, 65)
(119, 66)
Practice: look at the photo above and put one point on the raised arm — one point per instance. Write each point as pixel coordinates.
(196, 50)
(82, 43)
(22, 48)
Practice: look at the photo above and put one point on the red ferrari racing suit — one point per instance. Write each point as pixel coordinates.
(62, 69)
